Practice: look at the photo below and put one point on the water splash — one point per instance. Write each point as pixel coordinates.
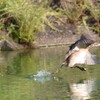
(42, 73)
(41, 76)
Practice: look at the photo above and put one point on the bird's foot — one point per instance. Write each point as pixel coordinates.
(81, 68)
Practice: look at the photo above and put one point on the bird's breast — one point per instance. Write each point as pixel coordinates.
(78, 57)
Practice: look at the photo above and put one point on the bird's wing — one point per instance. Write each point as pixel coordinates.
(92, 59)
(82, 42)
(66, 56)
(69, 53)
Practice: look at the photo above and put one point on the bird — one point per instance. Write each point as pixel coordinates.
(79, 53)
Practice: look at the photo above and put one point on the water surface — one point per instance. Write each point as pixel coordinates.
(17, 69)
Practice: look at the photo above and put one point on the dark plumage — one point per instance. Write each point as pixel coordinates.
(82, 42)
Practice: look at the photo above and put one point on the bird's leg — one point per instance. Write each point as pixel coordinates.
(81, 68)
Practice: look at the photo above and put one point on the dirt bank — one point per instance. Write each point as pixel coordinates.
(68, 34)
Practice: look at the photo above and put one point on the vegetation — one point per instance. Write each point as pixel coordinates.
(22, 19)
(85, 11)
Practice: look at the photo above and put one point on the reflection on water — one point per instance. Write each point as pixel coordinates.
(20, 77)
(82, 91)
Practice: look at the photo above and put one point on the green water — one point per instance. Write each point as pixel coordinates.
(16, 83)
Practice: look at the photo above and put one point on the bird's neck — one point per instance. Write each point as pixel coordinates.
(93, 45)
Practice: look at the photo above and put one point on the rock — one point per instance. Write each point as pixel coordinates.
(7, 43)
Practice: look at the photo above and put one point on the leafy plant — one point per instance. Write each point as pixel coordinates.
(84, 11)
(29, 17)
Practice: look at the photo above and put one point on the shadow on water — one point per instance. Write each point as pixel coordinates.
(21, 71)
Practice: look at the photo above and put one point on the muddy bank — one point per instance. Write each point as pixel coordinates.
(67, 34)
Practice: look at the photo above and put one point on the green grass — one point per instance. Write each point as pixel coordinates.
(29, 18)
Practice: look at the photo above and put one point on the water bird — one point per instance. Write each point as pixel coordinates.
(79, 53)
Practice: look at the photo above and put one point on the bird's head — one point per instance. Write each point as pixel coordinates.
(96, 44)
